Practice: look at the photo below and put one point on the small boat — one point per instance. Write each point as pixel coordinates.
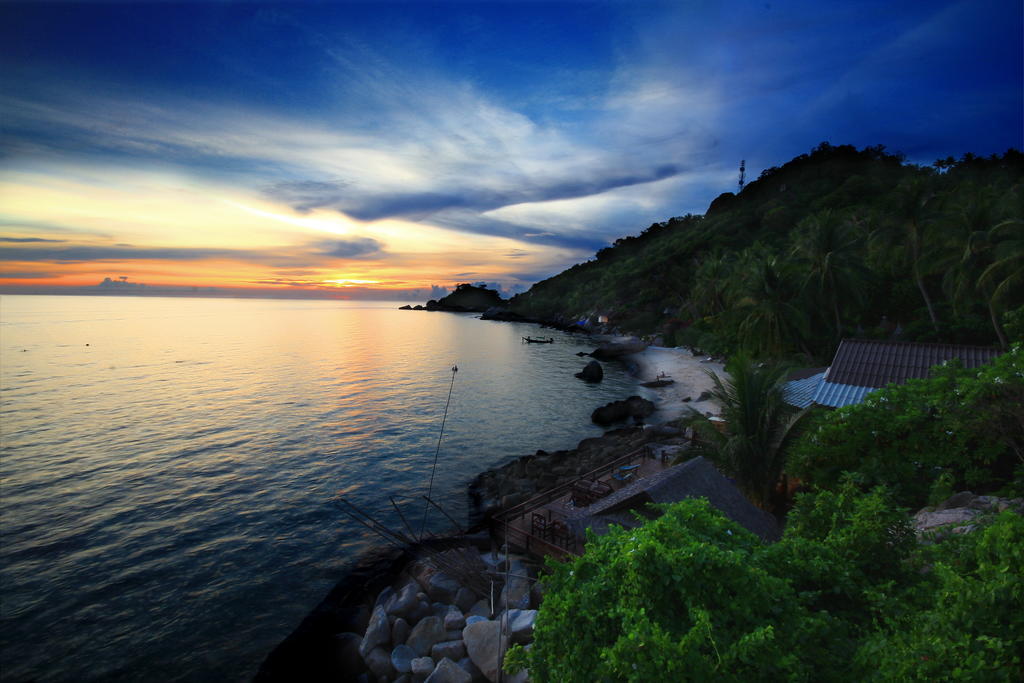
(658, 383)
(531, 340)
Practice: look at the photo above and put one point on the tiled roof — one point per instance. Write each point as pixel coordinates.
(800, 392)
(838, 395)
(870, 363)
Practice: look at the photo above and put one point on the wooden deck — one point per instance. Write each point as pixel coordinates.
(540, 525)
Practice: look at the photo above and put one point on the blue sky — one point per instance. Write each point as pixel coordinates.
(394, 146)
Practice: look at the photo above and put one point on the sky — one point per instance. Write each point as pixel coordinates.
(386, 150)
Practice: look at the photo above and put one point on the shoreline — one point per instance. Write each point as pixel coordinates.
(312, 648)
(691, 380)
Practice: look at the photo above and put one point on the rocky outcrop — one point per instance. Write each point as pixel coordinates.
(524, 477)
(616, 411)
(960, 514)
(592, 372)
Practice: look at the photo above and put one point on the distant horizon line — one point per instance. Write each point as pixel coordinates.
(209, 293)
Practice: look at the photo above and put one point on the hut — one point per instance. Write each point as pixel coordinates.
(696, 478)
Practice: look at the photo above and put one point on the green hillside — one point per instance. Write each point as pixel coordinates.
(834, 243)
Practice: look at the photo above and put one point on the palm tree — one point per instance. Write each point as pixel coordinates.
(771, 319)
(1003, 279)
(912, 211)
(829, 251)
(759, 426)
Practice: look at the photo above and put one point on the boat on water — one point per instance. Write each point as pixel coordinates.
(531, 340)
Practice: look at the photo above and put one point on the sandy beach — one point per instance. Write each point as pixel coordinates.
(689, 373)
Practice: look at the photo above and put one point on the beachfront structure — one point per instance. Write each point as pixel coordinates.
(861, 366)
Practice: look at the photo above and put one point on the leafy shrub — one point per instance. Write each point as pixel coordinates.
(967, 424)
(973, 627)
(677, 599)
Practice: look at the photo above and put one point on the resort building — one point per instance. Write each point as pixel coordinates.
(861, 366)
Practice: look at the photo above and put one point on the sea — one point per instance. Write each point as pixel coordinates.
(170, 467)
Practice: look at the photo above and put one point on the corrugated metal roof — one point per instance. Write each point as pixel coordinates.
(838, 395)
(872, 363)
(800, 392)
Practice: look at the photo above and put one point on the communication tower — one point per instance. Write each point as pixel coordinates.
(743, 174)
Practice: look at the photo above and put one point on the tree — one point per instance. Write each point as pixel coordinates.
(770, 318)
(827, 248)
(759, 427)
(913, 213)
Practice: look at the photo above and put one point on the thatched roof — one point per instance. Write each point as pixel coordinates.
(696, 478)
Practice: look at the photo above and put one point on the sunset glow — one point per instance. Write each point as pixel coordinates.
(391, 150)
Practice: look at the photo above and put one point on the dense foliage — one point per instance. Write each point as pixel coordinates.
(960, 429)
(836, 242)
(693, 596)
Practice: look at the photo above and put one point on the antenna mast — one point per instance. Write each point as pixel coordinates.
(743, 174)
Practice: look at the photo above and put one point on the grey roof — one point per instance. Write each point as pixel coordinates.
(695, 478)
(873, 363)
(862, 365)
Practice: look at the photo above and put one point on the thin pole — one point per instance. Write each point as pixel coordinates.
(430, 487)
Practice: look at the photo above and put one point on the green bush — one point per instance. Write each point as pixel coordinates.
(680, 598)
(967, 425)
(973, 627)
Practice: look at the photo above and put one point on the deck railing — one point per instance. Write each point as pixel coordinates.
(531, 542)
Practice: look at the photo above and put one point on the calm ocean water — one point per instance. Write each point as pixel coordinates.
(167, 465)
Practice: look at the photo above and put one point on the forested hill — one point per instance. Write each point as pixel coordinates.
(834, 243)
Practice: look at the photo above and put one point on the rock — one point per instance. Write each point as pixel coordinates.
(926, 521)
(422, 666)
(346, 653)
(453, 634)
(378, 661)
(422, 611)
(401, 658)
(425, 635)
(453, 649)
(378, 633)
(453, 619)
(465, 599)
(516, 593)
(404, 603)
(384, 596)
(618, 349)
(485, 646)
(704, 396)
(442, 588)
(474, 618)
(400, 631)
(957, 500)
(983, 503)
(592, 372)
(406, 307)
(634, 406)
(439, 609)
(404, 678)
(519, 624)
(448, 671)
(467, 665)
(521, 676)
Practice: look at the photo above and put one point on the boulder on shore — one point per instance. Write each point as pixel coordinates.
(592, 372)
(634, 406)
(615, 350)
